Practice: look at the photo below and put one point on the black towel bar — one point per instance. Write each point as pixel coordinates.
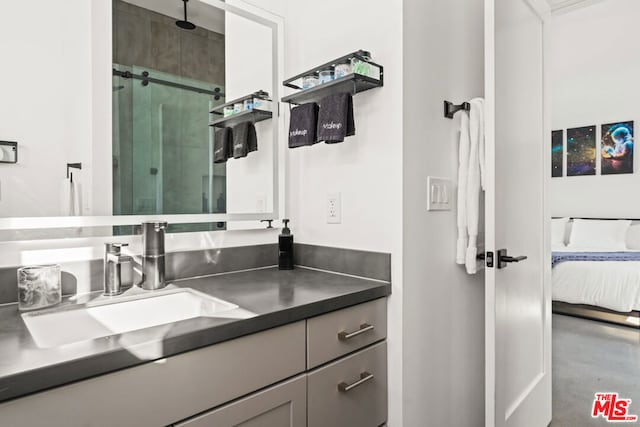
(450, 108)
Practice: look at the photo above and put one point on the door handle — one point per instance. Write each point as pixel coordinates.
(504, 259)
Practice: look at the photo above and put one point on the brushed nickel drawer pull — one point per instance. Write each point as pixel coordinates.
(365, 327)
(364, 377)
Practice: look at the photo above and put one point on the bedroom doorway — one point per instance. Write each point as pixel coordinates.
(593, 64)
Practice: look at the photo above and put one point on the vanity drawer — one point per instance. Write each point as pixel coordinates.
(350, 392)
(283, 405)
(341, 332)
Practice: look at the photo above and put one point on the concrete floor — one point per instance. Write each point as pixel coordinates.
(590, 357)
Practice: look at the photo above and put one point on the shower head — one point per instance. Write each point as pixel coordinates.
(185, 24)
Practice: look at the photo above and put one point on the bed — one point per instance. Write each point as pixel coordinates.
(601, 283)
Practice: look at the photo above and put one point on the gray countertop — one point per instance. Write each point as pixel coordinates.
(275, 298)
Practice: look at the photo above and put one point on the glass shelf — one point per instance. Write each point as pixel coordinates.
(352, 83)
(253, 116)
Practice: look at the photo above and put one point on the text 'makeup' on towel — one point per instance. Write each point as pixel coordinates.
(245, 139)
(302, 126)
(222, 144)
(335, 118)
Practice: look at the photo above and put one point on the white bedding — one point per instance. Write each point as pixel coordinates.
(610, 284)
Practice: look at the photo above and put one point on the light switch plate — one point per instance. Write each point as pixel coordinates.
(439, 194)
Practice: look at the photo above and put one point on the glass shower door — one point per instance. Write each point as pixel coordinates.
(163, 160)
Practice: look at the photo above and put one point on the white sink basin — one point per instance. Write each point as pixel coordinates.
(125, 313)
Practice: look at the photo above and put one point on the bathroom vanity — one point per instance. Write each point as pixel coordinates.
(311, 352)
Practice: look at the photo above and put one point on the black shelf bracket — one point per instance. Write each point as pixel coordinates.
(450, 109)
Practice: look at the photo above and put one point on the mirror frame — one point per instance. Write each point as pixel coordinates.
(102, 16)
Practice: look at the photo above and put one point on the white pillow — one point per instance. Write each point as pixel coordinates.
(633, 237)
(599, 235)
(558, 232)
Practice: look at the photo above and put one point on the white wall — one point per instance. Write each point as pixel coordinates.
(443, 335)
(594, 71)
(45, 82)
(248, 69)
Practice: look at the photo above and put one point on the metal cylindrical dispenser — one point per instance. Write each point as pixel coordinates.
(153, 255)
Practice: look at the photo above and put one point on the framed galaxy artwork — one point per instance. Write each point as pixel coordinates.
(581, 151)
(557, 153)
(616, 150)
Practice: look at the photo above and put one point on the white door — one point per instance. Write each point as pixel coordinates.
(517, 294)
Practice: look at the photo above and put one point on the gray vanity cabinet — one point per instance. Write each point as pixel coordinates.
(345, 384)
(350, 392)
(326, 371)
(341, 332)
(283, 405)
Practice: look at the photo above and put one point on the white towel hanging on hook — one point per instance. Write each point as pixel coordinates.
(471, 170)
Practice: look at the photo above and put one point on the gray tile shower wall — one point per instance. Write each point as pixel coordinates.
(149, 39)
(372, 265)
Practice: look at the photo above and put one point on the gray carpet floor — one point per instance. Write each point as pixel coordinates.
(591, 357)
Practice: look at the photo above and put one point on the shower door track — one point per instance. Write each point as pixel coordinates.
(146, 79)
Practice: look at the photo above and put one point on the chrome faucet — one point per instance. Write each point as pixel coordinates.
(118, 269)
(153, 255)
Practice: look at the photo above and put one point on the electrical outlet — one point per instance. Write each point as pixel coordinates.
(261, 203)
(334, 208)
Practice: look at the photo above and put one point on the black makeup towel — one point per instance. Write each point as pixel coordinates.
(302, 126)
(245, 139)
(222, 144)
(335, 118)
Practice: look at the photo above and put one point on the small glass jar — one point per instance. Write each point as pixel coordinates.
(326, 75)
(247, 104)
(310, 81)
(237, 107)
(358, 66)
(39, 286)
(262, 104)
(228, 110)
(341, 70)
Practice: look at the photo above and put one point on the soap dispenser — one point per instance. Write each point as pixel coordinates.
(285, 248)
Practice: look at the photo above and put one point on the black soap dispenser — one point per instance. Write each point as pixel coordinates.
(285, 248)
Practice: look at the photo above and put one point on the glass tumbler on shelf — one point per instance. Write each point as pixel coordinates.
(309, 81)
(358, 66)
(39, 286)
(261, 104)
(341, 70)
(227, 111)
(326, 75)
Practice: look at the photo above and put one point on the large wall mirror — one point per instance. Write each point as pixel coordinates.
(165, 75)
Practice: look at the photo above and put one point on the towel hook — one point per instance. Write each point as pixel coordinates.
(450, 108)
(73, 166)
